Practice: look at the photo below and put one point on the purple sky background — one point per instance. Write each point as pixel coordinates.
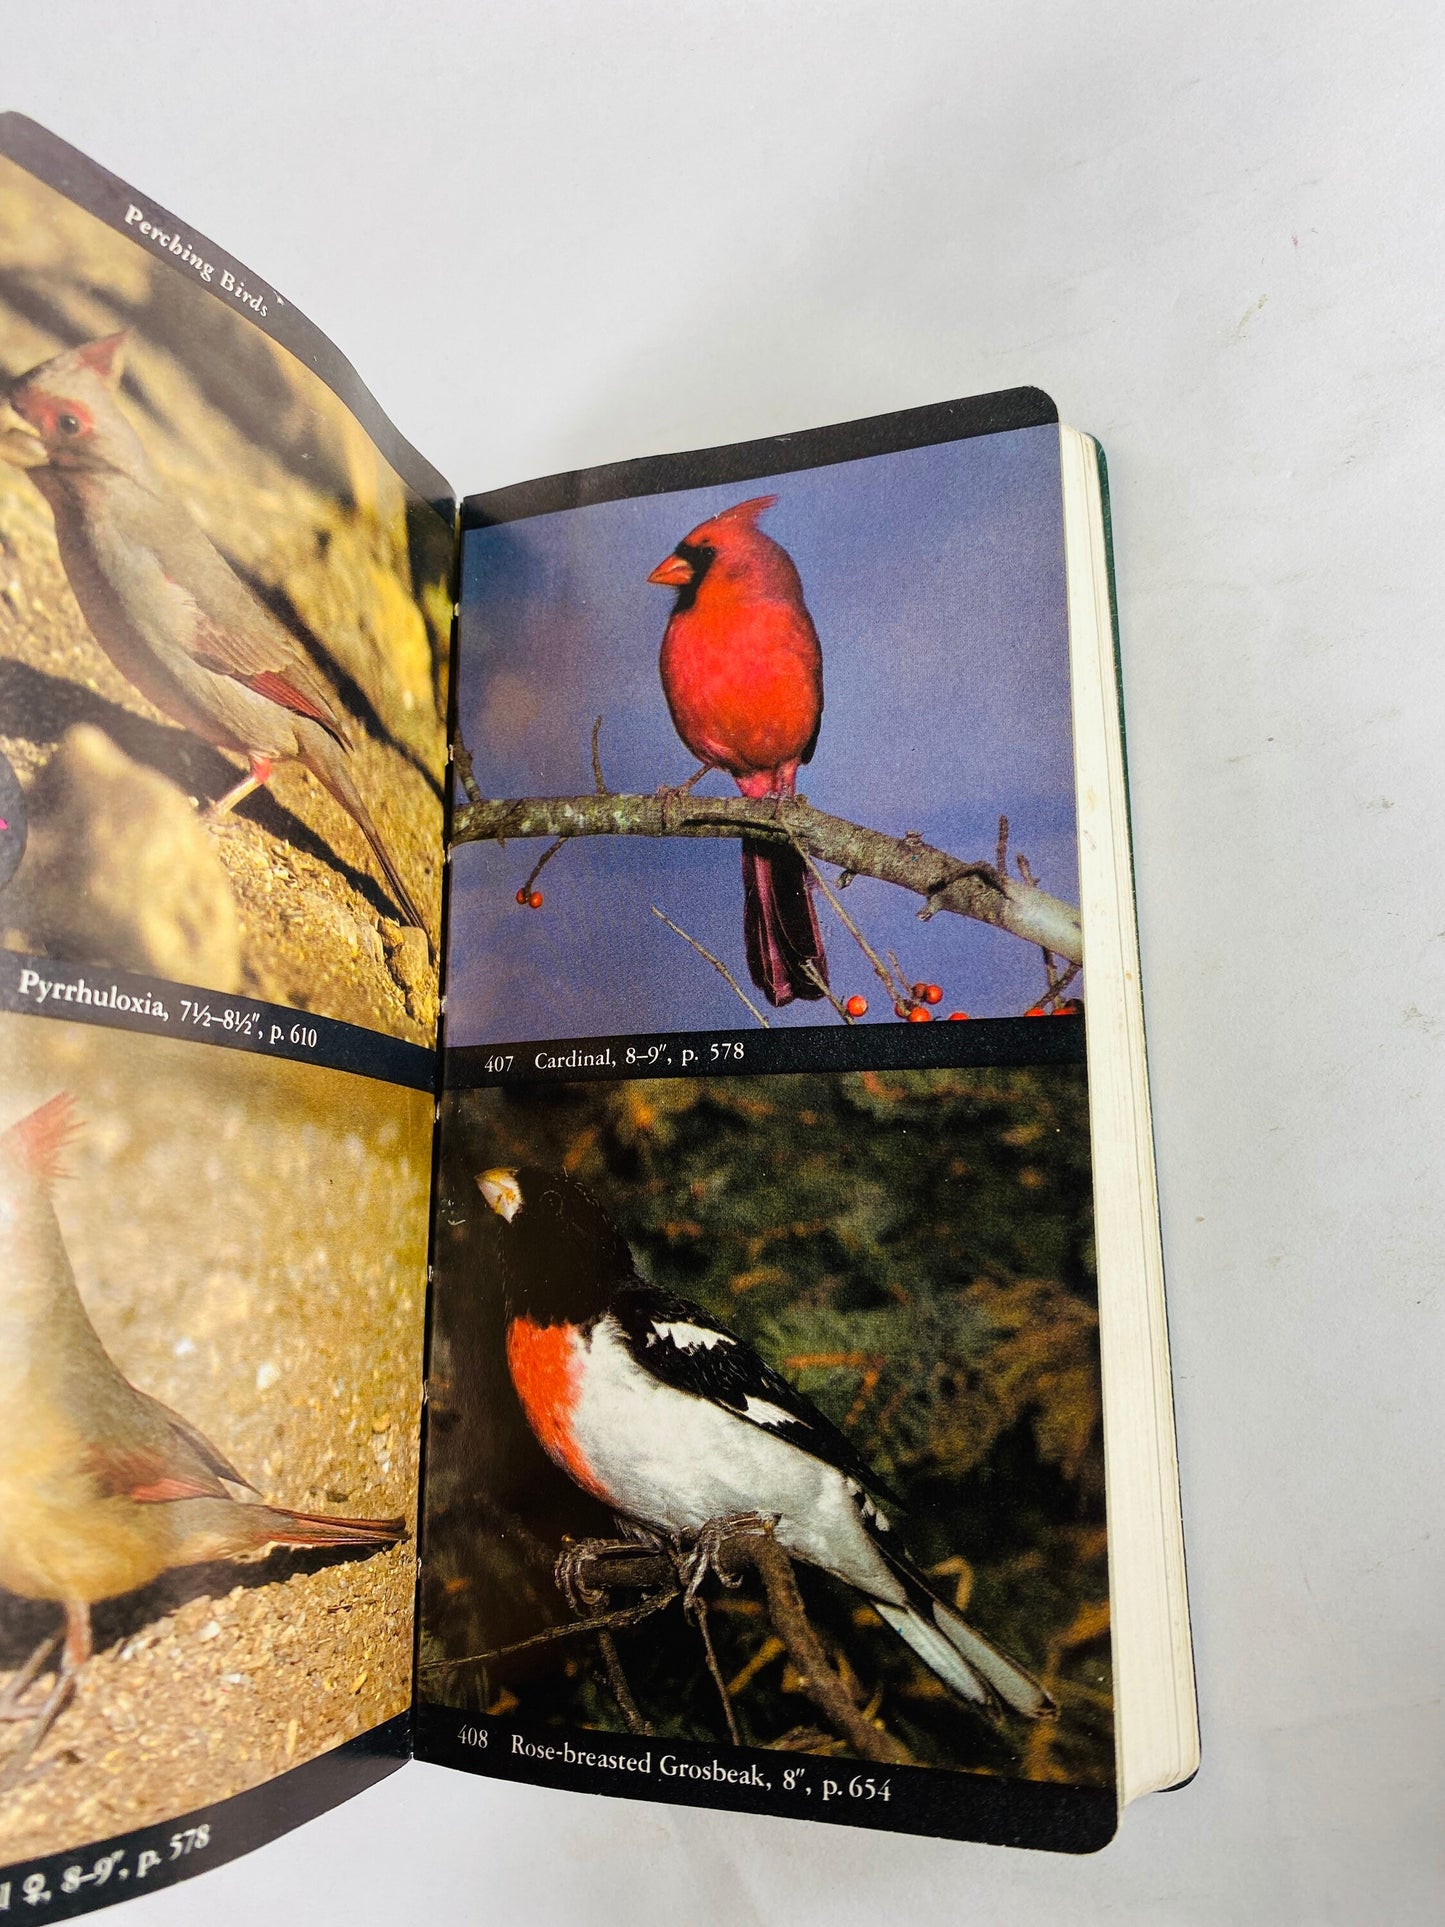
(935, 577)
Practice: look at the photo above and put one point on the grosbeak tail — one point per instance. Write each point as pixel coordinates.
(672, 1421)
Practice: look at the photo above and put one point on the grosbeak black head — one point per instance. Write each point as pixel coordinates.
(561, 1260)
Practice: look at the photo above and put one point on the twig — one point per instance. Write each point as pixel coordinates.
(975, 890)
(1001, 854)
(597, 776)
(717, 964)
(896, 993)
(542, 861)
(1060, 984)
(772, 1648)
(905, 987)
(462, 757)
(794, 1628)
(621, 1691)
(699, 1619)
(570, 1629)
(812, 972)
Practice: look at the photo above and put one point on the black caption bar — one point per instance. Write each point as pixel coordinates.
(944, 421)
(822, 1047)
(121, 1000)
(851, 1793)
(61, 1885)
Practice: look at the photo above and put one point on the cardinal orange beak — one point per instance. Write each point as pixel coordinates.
(20, 445)
(673, 573)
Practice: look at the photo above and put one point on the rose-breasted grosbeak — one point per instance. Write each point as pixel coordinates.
(675, 1423)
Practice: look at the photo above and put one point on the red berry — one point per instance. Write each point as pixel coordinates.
(918, 1015)
(535, 899)
(920, 991)
(958, 1017)
(933, 993)
(857, 1006)
(521, 896)
(1035, 1010)
(901, 1010)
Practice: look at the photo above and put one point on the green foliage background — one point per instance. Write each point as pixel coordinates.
(914, 1249)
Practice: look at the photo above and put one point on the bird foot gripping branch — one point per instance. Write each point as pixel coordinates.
(716, 1549)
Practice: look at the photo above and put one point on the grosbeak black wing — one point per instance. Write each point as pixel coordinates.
(685, 1348)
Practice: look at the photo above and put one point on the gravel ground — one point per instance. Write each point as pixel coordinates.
(249, 1237)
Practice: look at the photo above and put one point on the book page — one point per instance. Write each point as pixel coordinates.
(764, 1460)
(224, 617)
(224, 614)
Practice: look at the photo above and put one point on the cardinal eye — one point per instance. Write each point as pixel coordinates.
(68, 424)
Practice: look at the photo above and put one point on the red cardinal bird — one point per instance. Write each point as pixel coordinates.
(743, 675)
(162, 601)
(102, 1488)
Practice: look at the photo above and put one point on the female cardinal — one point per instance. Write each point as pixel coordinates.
(102, 1488)
(743, 675)
(162, 601)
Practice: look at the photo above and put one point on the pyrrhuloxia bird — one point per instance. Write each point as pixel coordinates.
(102, 1488)
(162, 601)
(743, 675)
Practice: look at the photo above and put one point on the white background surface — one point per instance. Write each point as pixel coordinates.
(555, 234)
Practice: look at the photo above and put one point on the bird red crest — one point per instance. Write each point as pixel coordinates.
(105, 357)
(748, 511)
(38, 1141)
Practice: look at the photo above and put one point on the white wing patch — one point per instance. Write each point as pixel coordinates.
(762, 1413)
(870, 1511)
(686, 1337)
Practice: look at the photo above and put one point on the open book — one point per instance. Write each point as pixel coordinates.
(576, 1196)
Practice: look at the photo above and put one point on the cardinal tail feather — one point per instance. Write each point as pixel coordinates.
(325, 762)
(780, 924)
(964, 1660)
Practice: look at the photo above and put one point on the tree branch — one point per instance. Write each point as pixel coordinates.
(621, 1691)
(590, 1571)
(976, 890)
(717, 963)
(761, 1551)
